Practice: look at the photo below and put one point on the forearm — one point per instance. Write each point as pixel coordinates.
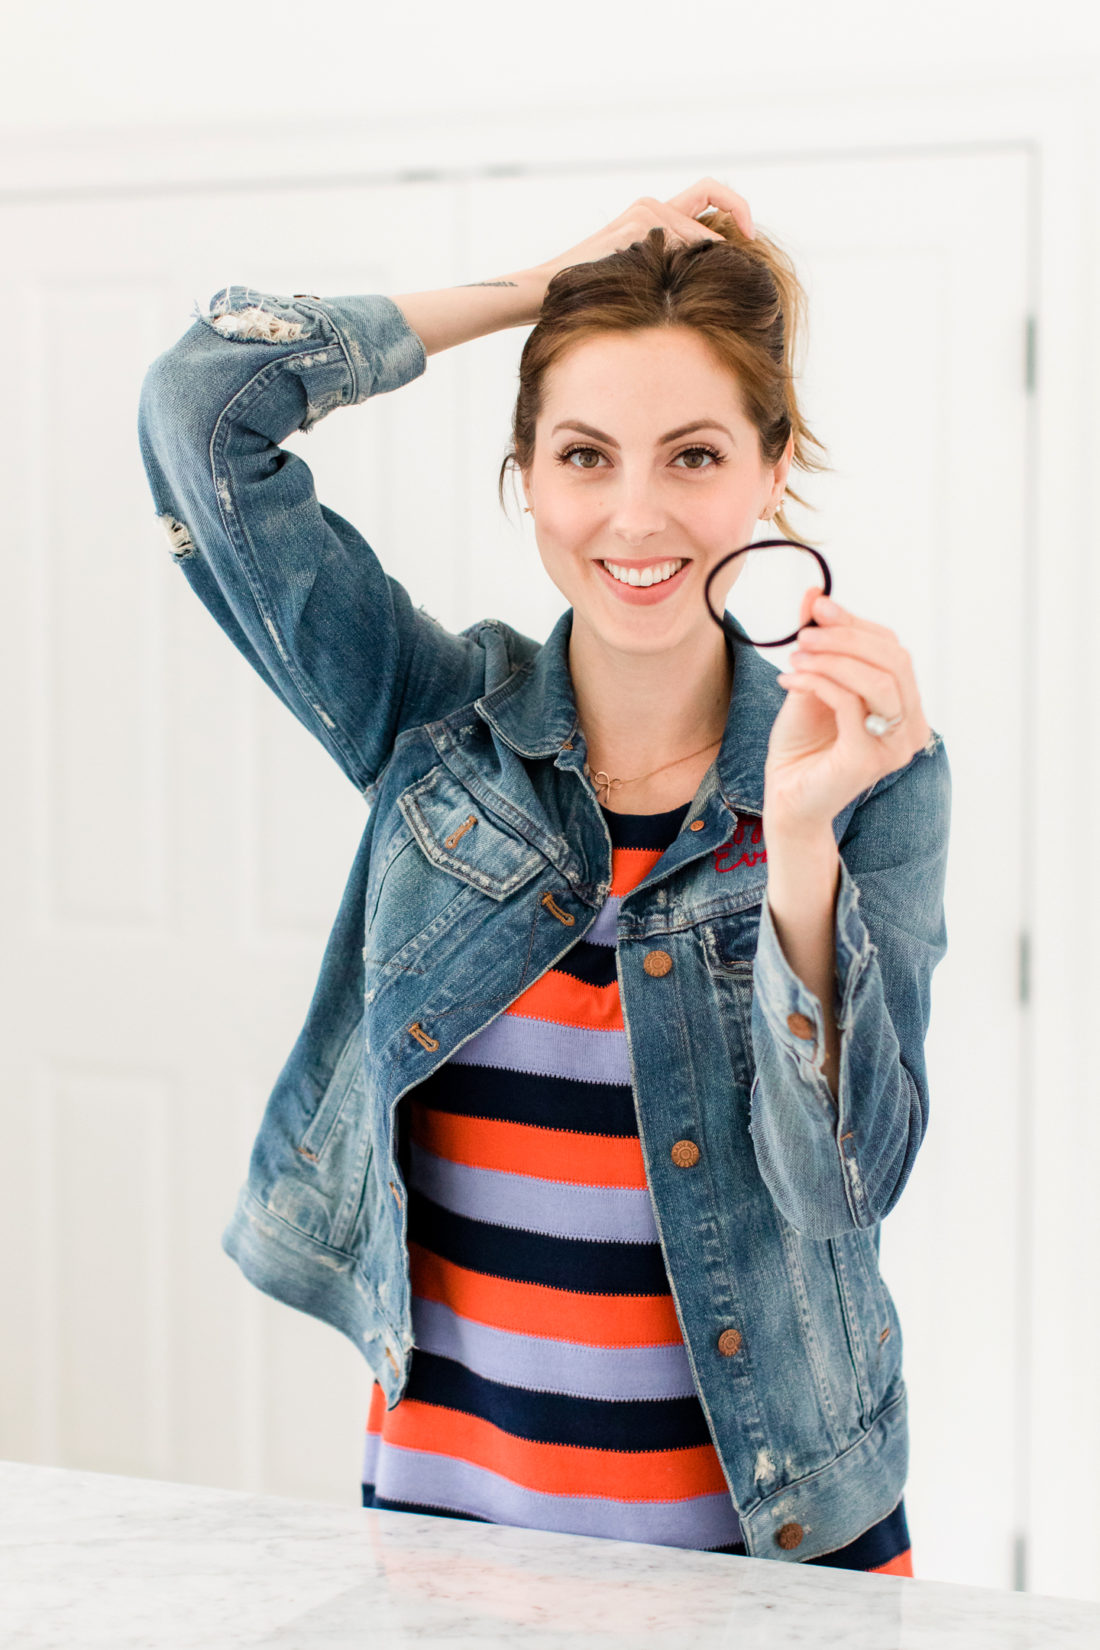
(803, 878)
(455, 314)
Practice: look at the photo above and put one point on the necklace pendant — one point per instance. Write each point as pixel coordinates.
(602, 781)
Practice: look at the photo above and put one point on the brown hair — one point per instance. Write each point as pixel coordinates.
(741, 295)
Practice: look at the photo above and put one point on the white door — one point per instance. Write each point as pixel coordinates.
(176, 844)
(914, 378)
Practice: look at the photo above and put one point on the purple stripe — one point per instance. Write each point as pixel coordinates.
(605, 929)
(621, 1214)
(401, 1474)
(541, 1365)
(550, 1049)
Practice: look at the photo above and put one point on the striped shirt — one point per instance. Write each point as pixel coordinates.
(549, 1385)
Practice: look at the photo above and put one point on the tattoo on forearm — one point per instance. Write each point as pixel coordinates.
(488, 283)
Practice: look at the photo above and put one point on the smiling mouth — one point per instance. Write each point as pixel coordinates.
(645, 578)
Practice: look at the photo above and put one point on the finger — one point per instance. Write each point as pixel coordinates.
(869, 646)
(648, 213)
(688, 228)
(808, 598)
(872, 645)
(848, 708)
(828, 611)
(709, 192)
(879, 689)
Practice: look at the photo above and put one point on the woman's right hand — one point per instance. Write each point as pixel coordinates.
(457, 314)
(677, 216)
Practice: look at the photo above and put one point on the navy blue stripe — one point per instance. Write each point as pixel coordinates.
(881, 1541)
(509, 1096)
(371, 1499)
(878, 1545)
(644, 830)
(591, 964)
(632, 1425)
(583, 1266)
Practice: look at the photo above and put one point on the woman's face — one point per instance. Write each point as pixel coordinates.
(617, 476)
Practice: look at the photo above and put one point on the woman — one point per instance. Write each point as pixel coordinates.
(613, 1067)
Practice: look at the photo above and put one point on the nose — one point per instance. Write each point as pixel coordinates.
(636, 513)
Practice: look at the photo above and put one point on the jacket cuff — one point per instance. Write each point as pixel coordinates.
(793, 1014)
(344, 349)
(383, 351)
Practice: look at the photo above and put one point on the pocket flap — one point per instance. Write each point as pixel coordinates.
(460, 836)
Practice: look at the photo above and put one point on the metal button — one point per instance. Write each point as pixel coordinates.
(685, 1154)
(789, 1536)
(696, 825)
(800, 1025)
(729, 1342)
(657, 963)
(566, 747)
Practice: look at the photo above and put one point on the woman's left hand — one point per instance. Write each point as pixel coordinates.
(820, 755)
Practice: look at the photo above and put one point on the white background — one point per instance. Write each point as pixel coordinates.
(178, 847)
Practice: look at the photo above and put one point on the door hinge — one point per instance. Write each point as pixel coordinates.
(1024, 966)
(1019, 1562)
(1031, 354)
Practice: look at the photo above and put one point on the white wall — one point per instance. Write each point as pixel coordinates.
(125, 63)
(261, 97)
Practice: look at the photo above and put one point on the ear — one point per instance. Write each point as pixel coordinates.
(781, 471)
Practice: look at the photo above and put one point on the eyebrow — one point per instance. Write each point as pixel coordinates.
(673, 435)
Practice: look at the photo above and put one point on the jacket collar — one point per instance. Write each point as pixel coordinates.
(535, 711)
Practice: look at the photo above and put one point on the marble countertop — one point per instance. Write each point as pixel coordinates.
(89, 1558)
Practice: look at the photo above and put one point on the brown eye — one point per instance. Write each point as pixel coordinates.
(707, 452)
(563, 458)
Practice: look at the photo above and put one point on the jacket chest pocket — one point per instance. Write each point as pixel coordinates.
(441, 864)
(729, 939)
(462, 839)
(729, 950)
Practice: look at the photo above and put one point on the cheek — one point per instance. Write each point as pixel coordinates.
(713, 524)
(728, 507)
(566, 519)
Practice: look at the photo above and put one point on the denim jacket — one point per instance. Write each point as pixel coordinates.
(484, 858)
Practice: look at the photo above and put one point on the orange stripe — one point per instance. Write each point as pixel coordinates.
(902, 1565)
(377, 1409)
(556, 1469)
(522, 1148)
(537, 1309)
(568, 1001)
(629, 866)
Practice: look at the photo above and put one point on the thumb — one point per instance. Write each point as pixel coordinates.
(808, 598)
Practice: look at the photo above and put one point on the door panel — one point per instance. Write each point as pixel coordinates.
(178, 844)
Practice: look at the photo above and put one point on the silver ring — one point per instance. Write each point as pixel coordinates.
(879, 725)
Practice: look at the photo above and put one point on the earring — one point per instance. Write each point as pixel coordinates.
(527, 509)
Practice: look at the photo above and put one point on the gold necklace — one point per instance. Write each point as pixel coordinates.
(602, 780)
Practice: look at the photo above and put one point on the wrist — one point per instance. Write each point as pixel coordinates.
(531, 286)
(803, 864)
(782, 833)
(457, 314)
(803, 880)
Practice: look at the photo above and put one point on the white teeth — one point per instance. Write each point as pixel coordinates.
(648, 575)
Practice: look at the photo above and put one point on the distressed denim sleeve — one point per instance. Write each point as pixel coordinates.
(832, 1165)
(295, 587)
